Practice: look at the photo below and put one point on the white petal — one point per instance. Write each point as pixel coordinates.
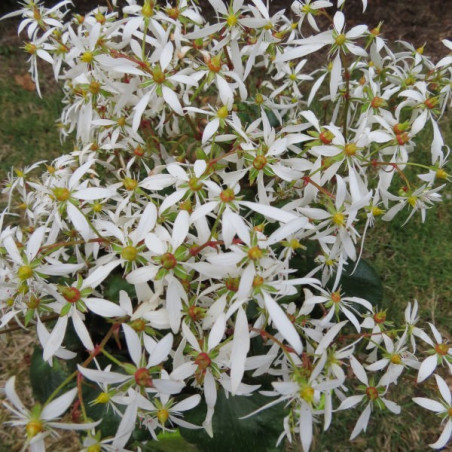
(139, 110)
(188, 403)
(210, 129)
(429, 404)
(99, 274)
(217, 332)
(174, 306)
(225, 91)
(79, 221)
(180, 229)
(362, 422)
(147, 222)
(56, 338)
(287, 229)
(104, 308)
(166, 55)
(127, 425)
(90, 194)
(142, 274)
(172, 100)
(444, 389)
(428, 366)
(59, 269)
(133, 344)
(305, 426)
(350, 402)
(161, 350)
(240, 348)
(339, 21)
(335, 76)
(444, 437)
(274, 213)
(282, 323)
(100, 376)
(358, 370)
(82, 331)
(58, 406)
(12, 395)
(34, 242)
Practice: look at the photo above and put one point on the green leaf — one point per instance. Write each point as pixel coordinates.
(257, 433)
(364, 282)
(45, 378)
(114, 284)
(169, 442)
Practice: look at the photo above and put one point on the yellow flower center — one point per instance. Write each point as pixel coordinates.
(129, 183)
(255, 253)
(34, 427)
(61, 194)
(231, 20)
(442, 349)
(338, 219)
(396, 359)
(350, 149)
(129, 253)
(87, 57)
(223, 112)
(24, 272)
(162, 415)
(307, 394)
(340, 39)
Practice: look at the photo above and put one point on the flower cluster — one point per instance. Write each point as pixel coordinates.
(207, 159)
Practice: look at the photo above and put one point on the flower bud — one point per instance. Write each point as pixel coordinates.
(227, 195)
(372, 393)
(70, 294)
(168, 261)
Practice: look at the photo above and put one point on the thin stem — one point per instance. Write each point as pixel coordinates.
(112, 358)
(198, 90)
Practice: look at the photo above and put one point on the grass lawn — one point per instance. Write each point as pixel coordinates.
(414, 261)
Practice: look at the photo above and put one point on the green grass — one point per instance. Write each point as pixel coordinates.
(414, 261)
(28, 130)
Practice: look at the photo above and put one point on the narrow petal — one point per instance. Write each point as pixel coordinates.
(133, 344)
(282, 323)
(172, 100)
(240, 348)
(428, 366)
(180, 229)
(217, 332)
(58, 406)
(104, 308)
(82, 331)
(161, 350)
(444, 437)
(429, 404)
(56, 338)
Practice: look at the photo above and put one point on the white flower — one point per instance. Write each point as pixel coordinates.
(442, 409)
(41, 420)
(441, 354)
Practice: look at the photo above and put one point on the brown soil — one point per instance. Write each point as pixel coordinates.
(417, 21)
